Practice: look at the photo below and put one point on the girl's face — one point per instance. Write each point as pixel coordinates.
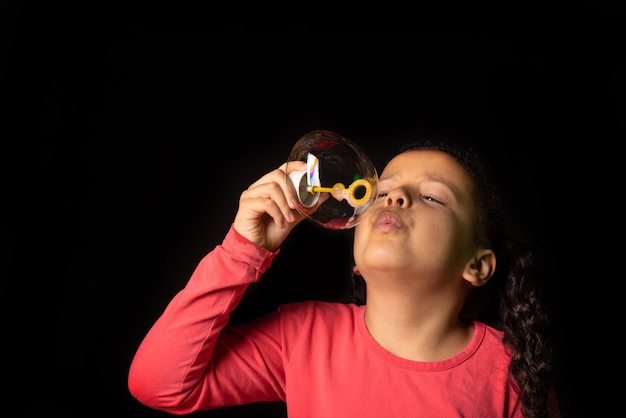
(421, 225)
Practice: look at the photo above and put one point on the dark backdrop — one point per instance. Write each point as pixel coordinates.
(125, 149)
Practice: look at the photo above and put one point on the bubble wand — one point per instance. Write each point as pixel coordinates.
(338, 191)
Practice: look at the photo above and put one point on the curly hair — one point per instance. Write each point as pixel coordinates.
(513, 301)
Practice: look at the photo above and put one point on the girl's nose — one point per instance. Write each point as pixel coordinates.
(397, 197)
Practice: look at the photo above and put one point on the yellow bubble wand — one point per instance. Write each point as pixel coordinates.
(339, 190)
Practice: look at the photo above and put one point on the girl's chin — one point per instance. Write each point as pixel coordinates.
(386, 252)
(384, 263)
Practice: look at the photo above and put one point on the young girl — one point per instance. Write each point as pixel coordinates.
(423, 338)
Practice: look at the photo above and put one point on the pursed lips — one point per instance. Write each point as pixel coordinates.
(387, 220)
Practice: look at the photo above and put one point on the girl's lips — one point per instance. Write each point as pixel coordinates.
(387, 221)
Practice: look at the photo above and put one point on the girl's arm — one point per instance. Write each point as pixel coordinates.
(174, 369)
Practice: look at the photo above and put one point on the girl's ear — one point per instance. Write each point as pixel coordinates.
(481, 267)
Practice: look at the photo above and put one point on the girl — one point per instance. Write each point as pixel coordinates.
(423, 336)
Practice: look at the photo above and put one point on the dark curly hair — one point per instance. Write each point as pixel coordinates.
(513, 301)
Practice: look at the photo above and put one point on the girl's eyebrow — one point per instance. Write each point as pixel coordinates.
(453, 188)
(425, 177)
(388, 177)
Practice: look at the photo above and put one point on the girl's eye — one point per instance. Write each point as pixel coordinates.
(431, 199)
(381, 195)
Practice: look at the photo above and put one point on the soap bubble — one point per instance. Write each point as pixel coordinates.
(340, 183)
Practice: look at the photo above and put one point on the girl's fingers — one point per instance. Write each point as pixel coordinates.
(266, 187)
(266, 198)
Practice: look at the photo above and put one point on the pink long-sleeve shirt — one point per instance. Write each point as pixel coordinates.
(316, 356)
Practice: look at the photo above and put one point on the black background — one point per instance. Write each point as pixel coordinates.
(126, 143)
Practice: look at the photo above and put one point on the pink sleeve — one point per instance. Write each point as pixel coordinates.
(185, 362)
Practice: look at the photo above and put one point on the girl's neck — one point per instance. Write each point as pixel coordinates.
(417, 331)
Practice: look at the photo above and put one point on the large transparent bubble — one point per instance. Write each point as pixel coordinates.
(339, 184)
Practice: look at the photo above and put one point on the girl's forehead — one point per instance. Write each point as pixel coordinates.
(427, 165)
(421, 161)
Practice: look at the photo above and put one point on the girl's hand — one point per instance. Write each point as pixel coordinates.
(266, 214)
